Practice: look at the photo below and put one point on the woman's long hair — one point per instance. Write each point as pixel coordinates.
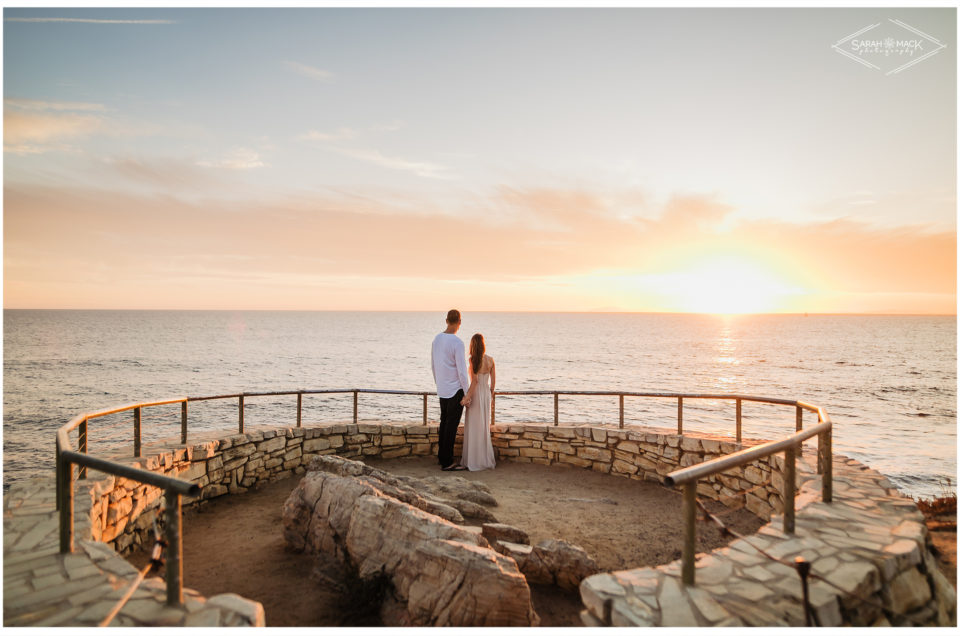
(477, 349)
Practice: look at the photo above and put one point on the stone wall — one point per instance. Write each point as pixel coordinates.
(121, 513)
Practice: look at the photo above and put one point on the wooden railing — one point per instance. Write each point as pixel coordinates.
(175, 488)
(791, 448)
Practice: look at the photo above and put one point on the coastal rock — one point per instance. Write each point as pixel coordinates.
(556, 562)
(471, 510)
(384, 531)
(519, 552)
(450, 497)
(502, 532)
(454, 487)
(452, 583)
(440, 573)
(550, 562)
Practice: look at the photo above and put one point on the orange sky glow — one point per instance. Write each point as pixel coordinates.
(628, 160)
(554, 251)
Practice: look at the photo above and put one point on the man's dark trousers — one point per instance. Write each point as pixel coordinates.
(450, 412)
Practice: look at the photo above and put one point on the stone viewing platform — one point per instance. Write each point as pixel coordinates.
(870, 541)
(870, 545)
(44, 588)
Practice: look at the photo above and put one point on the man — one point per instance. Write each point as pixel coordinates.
(450, 374)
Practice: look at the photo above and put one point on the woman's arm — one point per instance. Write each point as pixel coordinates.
(493, 377)
(473, 387)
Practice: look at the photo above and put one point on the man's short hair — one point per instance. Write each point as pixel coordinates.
(453, 317)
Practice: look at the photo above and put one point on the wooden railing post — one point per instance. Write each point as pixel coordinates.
(556, 409)
(827, 477)
(493, 409)
(174, 538)
(679, 416)
(82, 447)
(355, 407)
(789, 488)
(739, 421)
(65, 488)
(183, 422)
(299, 410)
(425, 409)
(136, 431)
(799, 428)
(56, 464)
(621, 410)
(689, 532)
(241, 414)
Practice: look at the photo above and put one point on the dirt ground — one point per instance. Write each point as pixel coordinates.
(235, 544)
(943, 535)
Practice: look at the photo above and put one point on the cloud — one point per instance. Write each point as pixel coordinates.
(40, 132)
(340, 134)
(37, 104)
(237, 159)
(419, 168)
(169, 174)
(310, 71)
(33, 126)
(388, 127)
(90, 21)
(559, 247)
(345, 133)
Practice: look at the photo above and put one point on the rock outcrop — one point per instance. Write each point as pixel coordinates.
(494, 532)
(450, 496)
(439, 573)
(551, 562)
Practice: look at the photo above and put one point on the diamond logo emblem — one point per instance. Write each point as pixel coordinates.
(889, 47)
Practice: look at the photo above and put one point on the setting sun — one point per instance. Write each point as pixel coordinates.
(727, 285)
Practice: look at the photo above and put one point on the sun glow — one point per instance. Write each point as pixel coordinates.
(726, 285)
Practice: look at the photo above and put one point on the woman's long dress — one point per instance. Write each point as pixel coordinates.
(477, 447)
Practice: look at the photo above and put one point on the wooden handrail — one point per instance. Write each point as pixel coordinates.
(739, 458)
(790, 446)
(687, 478)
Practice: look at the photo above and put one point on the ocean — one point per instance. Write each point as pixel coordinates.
(888, 382)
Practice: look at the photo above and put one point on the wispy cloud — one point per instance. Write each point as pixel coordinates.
(374, 250)
(310, 71)
(238, 159)
(169, 174)
(35, 133)
(90, 21)
(32, 126)
(340, 134)
(419, 168)
(39, 104)
(344, 133)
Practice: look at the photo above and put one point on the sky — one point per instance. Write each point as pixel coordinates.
(662, 160)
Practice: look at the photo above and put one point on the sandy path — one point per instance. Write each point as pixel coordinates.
(235, 543)
(621, 523)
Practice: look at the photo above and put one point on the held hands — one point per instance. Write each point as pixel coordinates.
(465, 401)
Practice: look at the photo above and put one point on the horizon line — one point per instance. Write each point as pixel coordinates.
(499, 311)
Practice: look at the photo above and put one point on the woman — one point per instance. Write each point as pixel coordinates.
(477, 447)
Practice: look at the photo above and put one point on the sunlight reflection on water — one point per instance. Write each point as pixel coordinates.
(889, 383)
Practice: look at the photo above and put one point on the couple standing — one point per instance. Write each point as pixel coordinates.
(456, 392)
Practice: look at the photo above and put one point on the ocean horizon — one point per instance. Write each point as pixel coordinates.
(888, 381)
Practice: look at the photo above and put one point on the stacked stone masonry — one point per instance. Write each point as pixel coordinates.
(871, 539)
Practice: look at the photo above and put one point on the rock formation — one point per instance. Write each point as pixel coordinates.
(551, 562)
(450, 497)
(439, 573)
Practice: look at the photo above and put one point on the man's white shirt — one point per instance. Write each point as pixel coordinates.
(449, 364)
